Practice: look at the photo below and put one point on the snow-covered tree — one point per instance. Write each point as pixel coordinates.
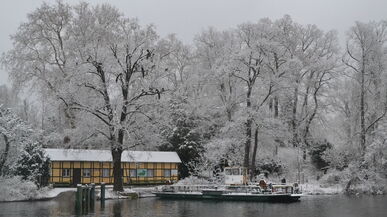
(33, 164)
(365, 58)
(14, 134)
(183, 136)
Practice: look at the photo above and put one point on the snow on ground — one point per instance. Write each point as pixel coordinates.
(317, 189)
(128, 193)
(54, 192)
(15, 189)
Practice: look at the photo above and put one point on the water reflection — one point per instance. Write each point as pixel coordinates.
(319, 206)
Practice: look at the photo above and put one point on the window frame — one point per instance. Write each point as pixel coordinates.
(165, 170)
(149, 173)
(66, 174)
(135, 173)
(84, 174)
(104, 174)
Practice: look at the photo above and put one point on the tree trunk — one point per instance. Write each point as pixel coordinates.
(117, 173)
(362, 107)
(276, 112)
(248, 132)
(253, 166)
(4, 155)
(294, 117)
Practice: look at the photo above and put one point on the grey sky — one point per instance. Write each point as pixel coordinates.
(187, 18)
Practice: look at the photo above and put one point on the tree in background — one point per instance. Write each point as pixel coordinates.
(365, 61)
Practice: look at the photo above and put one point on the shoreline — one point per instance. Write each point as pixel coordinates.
(145, 192)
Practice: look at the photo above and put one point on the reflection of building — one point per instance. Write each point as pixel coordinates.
(74, 166)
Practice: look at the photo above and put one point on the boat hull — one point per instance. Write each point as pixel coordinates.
(277, 198)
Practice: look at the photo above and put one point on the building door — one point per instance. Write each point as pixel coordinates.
(76, 176)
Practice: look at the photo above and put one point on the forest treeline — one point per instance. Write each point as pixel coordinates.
(273, 96)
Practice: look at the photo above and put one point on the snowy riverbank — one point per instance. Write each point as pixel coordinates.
(317, 189)
(13, 189)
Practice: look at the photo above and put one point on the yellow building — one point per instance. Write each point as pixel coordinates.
(81, 166)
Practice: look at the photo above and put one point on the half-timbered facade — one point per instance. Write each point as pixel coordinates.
(81, 166)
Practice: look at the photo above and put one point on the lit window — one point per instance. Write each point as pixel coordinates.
(86, 172)
(167, 173)
(173, 172)
(150, 173)
(133, 173)
(105, 172)
(66, 172)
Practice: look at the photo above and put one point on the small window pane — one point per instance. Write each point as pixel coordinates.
(150, 173)
(167, 173)
(105, 172)
(133, 173)
(86, 172)
(174, 172)
(66, 172)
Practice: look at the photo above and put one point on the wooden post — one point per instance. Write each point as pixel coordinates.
(87, 198)
(92, 195)
(84, 202)
(78, 198)
(102, 195)
(103, 188)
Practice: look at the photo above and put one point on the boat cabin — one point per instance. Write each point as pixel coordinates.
(235, 176)
(282, 189)
(70, 167)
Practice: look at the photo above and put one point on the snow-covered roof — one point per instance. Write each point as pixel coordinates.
(106, 156)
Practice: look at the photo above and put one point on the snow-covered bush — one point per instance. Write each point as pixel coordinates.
(339, 158)
(269, 166)
(33, 164)
(15, 188)
(317, 152)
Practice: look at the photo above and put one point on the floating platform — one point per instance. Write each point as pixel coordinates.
(229, 196)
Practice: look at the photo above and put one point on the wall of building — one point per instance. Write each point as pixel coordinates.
(97, 172)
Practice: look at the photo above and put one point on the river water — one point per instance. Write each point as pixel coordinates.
(309, 206)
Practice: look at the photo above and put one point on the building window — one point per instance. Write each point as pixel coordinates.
(167, 173)
(86, 172)
(66, 172)
(133, 173)
(150, 173)
(173, 172)
(105, 172)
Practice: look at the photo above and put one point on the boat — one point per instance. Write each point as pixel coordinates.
(235, 189)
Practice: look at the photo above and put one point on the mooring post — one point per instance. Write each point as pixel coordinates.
(103, 188)
(87, 198)
(102, 195)
(92, 195)
(78, 198)
(84, 199)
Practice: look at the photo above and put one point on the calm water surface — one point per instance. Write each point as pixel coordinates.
(310, 206)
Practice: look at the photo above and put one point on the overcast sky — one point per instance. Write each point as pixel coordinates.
(188, 17)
